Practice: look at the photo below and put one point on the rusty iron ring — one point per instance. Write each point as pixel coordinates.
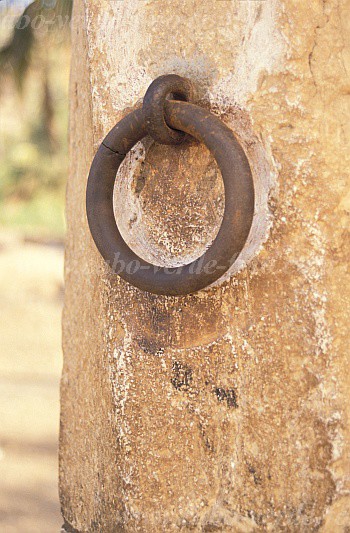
(239, 202)
(157, 93)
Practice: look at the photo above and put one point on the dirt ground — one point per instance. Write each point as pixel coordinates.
(31, 295)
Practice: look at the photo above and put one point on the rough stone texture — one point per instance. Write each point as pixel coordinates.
(227, 410)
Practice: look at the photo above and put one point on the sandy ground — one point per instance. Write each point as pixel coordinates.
(31, 296)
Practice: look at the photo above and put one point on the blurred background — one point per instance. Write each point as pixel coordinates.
(34, 72)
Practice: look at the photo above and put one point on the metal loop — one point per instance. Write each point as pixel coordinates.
(154, 102)
(239, 201)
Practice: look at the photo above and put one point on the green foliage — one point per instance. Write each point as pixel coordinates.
(15, 56)
(33, 125)
(43, 215)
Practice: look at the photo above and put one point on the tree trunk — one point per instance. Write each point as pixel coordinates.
(226, 410)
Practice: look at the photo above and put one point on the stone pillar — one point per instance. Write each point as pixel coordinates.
(226, 410)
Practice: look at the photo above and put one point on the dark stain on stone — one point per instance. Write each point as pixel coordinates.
(148, 346)
(258, 518)
(181, 376)
(132, 221)
(258, 15)
(159, 317)
(209, 528)
(68, 528)
(207, 442)
(140, 182)
(229, 395)
(256, 477)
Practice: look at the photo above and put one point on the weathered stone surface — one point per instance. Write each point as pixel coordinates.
(227, 410)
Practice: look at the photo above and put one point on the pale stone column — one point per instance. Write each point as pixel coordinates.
(227, 410)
